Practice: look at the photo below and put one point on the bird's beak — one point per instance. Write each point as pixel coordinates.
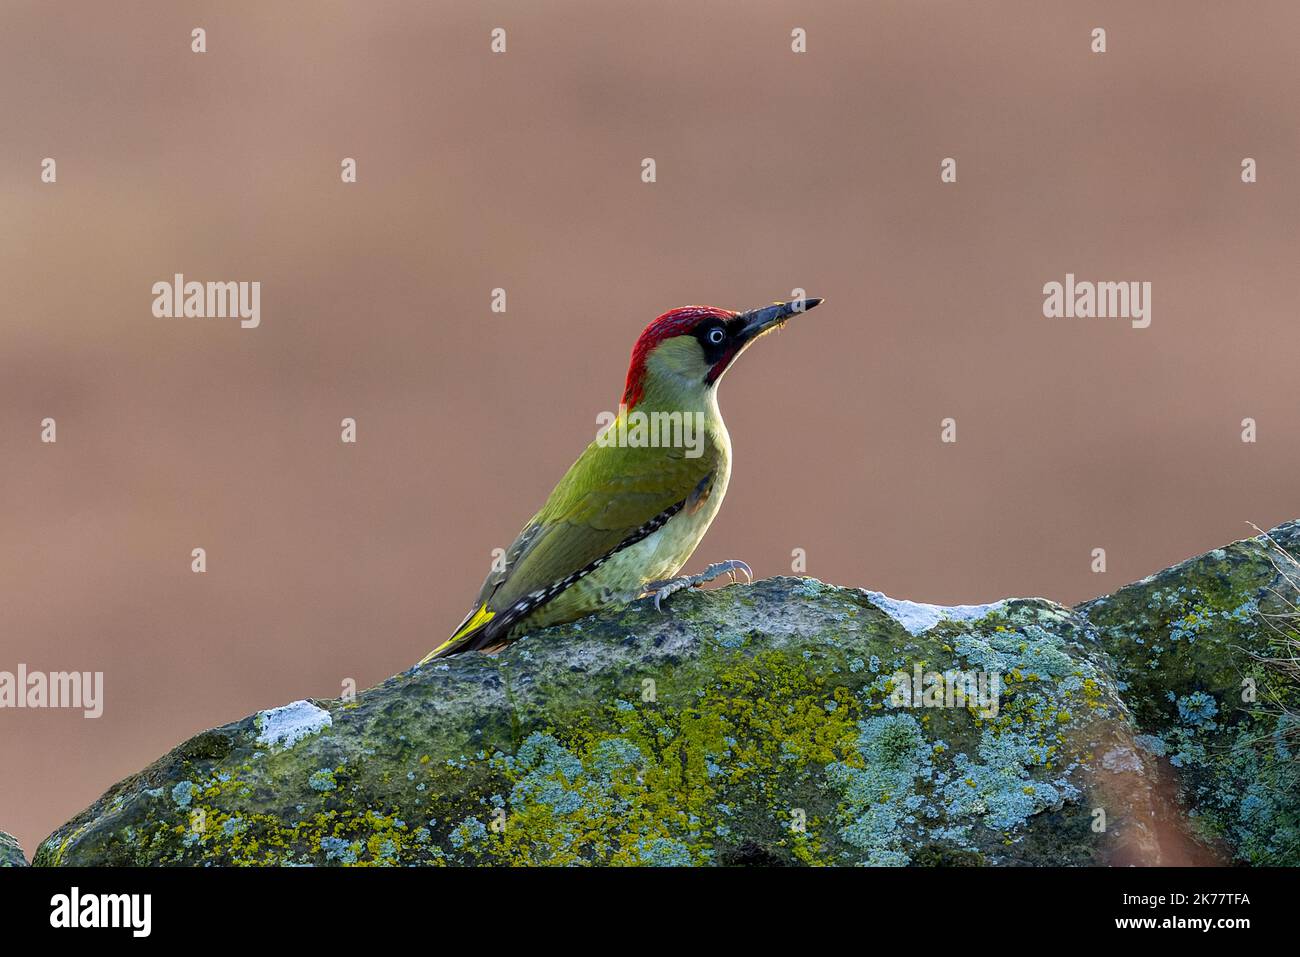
(758, 321)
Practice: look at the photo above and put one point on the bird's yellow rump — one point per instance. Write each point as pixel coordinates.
(473, 623)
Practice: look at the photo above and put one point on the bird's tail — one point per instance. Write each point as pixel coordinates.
(472, 633)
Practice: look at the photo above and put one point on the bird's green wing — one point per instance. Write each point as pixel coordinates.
(611, 497)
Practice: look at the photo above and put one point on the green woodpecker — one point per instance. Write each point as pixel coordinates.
(628, 514)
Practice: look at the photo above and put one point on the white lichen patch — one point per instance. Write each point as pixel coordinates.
(1121, 759)
(919, 617)
(288, 725)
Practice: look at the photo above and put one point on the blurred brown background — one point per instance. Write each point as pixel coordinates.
(775, 171)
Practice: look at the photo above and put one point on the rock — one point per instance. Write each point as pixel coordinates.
(11, 855)
(1187, 645)
(763, 724)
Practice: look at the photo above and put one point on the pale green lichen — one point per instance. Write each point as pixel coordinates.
(1188, 645)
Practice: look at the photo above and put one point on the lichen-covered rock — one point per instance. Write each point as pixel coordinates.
(784, 722)
(1188, 645)
(757, 724)
(11, 855)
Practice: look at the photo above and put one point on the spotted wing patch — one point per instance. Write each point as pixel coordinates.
(535, 599)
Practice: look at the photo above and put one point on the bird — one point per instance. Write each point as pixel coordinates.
(629, 513)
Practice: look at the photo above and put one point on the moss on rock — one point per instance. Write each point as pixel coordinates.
(767, 724)
(1188, 645)
(11, 855)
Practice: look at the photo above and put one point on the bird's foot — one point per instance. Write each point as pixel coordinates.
(670, 586)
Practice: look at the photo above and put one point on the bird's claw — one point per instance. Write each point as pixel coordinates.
(728, 568)
(670, 586)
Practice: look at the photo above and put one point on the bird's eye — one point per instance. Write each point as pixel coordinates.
(716, 335)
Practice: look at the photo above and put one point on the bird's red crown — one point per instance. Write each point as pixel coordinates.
(673, 323)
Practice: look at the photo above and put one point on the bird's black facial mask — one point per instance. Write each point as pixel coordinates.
(717, 339)
(722, 341)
